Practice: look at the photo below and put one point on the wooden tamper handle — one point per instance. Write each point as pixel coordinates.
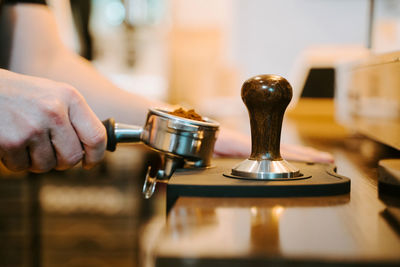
(266, 98)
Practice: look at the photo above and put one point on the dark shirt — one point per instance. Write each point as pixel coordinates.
(43, 2)
(5, 44)
(23, 1)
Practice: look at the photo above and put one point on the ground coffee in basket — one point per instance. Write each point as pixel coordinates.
(188, 114)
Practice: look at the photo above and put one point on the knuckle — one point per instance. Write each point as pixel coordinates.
(43, 167)
(16, 168)
(13, 144)
(12, 164)
(33, 131)
(14, 141)
(98, 138)
(52, 107)
(18, 141)
(70, 161)
(71, 93)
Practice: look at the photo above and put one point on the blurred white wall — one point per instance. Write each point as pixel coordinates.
(386, 28)
(268, 35)
(199, 52)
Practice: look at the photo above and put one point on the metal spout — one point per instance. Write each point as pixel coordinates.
(170, 164)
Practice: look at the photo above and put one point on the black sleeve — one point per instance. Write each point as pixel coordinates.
(43, 2)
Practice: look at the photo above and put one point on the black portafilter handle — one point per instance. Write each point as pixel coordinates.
(121, 133)
(109, 124)
(266, 98)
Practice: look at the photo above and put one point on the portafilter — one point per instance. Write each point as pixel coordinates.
(180, 142)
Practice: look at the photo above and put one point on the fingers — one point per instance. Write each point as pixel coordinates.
(302, 153)
(235, 144)
(232, 143)
(45, 125)
(76, 133)
(66, 145)
(53, 142)
(90, 131)
(50, 138)
(68, 149)
(60, 149)
(16, 159)
(41, 154)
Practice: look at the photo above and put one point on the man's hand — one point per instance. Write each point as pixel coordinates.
(45, 125)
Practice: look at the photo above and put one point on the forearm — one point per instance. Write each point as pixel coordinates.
(106, 99)
(45, 56)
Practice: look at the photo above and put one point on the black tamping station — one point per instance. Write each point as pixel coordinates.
(264, 173)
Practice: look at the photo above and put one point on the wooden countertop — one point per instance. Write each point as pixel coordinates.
(94, 217)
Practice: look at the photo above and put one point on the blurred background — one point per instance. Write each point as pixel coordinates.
(197, 54)
(146, 46)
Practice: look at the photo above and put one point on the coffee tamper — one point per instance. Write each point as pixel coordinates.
(266, 98)
(264, 173)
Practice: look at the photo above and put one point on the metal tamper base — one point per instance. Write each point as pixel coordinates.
(264, 170)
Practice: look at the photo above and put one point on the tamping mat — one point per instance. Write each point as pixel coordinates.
(318, 180)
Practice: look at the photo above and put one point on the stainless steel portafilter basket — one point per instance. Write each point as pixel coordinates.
(180, 142)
